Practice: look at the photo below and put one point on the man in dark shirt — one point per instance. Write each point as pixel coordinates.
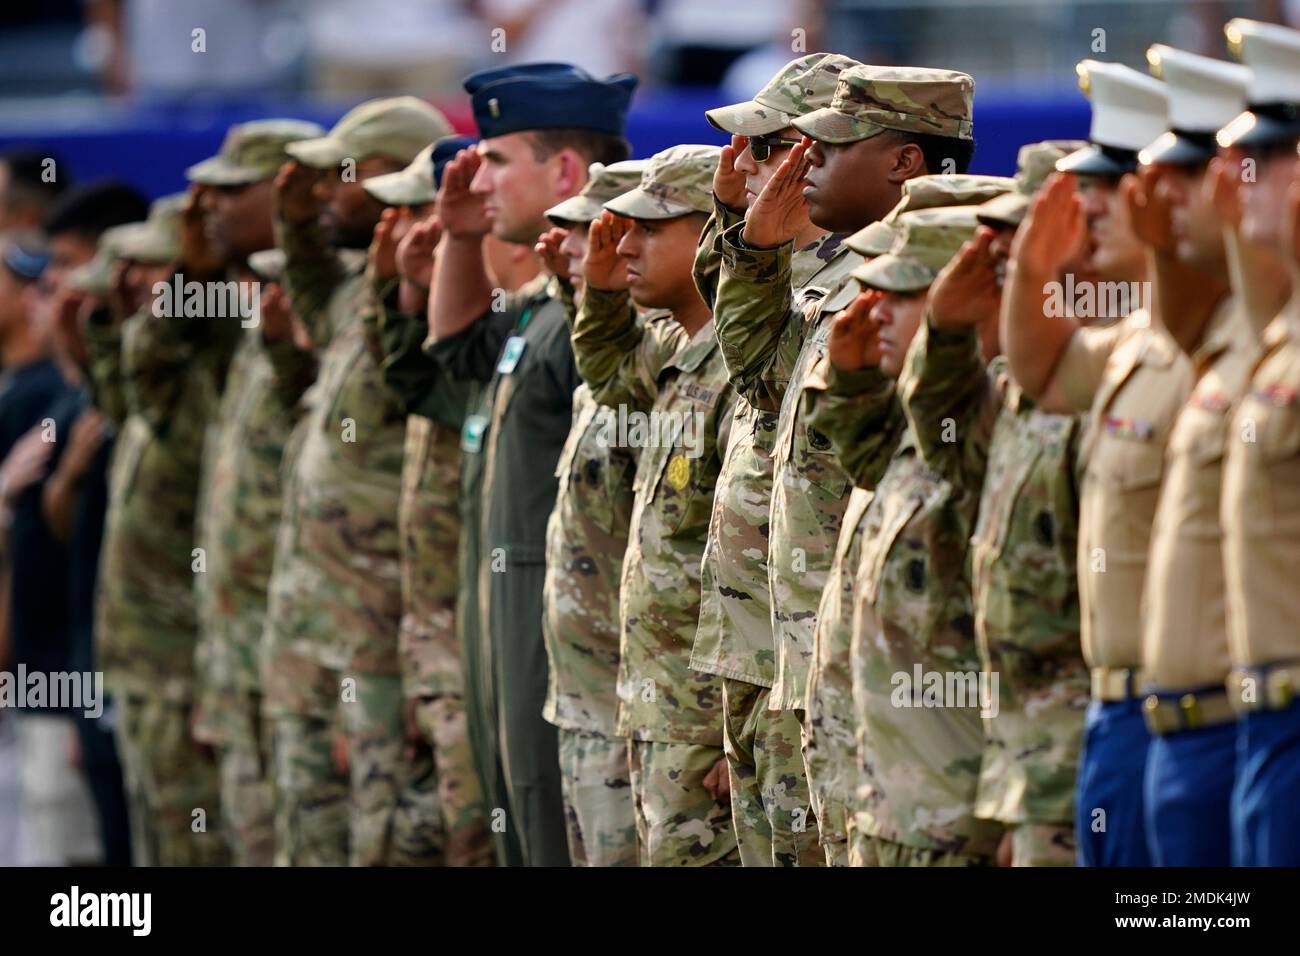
(58, 825)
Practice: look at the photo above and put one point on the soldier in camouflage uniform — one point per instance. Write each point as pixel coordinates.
(671, 369)
(919, 764)
(586, 538)
(240, 507)
(161, 372)
(975, 427)
(769, 797)
(772, 342)
(443, 817)
(334, 611)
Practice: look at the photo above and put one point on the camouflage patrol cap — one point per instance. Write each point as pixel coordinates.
(870, 99)
(412, 186)
(252, 152)
(927, 239)
(875, 240)
(396, 128)
(156, 240)
(927, 192)
(676, 182)
(803, 85)
(96, 275)
(1034, 163)
(603, 184)
(268, 264)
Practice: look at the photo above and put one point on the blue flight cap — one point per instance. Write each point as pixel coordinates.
(530, 96)
(445, 151)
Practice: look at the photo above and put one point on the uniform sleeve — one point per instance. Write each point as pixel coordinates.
(312, 273)
(472, 354)
(951, 403)
(708, 255)
(292, 370)
(619, 358)
(104, 365)
(861, 415)
(752, 310)
(1080, 369)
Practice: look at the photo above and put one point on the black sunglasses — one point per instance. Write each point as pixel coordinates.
(760, 147)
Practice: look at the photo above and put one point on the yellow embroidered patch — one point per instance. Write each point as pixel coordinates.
(679, 472)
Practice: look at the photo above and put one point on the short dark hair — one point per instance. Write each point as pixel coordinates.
(95, 207)
(943, 154)
(593, 146)
(27, 175)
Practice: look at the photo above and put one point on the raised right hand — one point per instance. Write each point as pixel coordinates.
(459, 210)
(1052, 229)
(295, 196)
(604, 268)
(729, 185)
(854, 342)
(779, 211)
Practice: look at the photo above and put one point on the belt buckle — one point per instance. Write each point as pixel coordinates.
(1190, 709)
(1154, 715)
(1285, 692)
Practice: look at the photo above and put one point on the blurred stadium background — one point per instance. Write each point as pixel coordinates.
(114, 87)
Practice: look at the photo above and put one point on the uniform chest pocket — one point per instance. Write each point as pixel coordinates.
(688, 469)
(895, 510)
(1128, 463)
(1277, 429)
(1199, 436)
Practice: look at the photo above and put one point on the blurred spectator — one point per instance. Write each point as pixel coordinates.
(378, 47)
(694, 43)
(59, 826)
(149, 47)
(30, 182)
(601, 36)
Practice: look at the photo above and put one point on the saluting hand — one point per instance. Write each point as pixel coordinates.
(1291, 221)
(459, 210)
(777, 214)
(276, 316)
(199, 254)
(854, 342)
(729, 185)
(1147, 209)
(416, 251)
(1052, 229)
(295, 193)
(548, 250)
(121, 300)
(604, 268)
(1220, 184)
(382, 254)
(966, 292)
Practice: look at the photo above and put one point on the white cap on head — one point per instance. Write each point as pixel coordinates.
(1129, 108)
(1273, 55)
(1204, 93)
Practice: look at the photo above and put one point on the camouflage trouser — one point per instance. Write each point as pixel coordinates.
(444, 727)
(769, 790)
(830, 745)
(396, 819)
(1043, 844)
(677, 822)
(597, 799)
(311, 792)
(872, 851)
(247, 794)
(171, 785)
